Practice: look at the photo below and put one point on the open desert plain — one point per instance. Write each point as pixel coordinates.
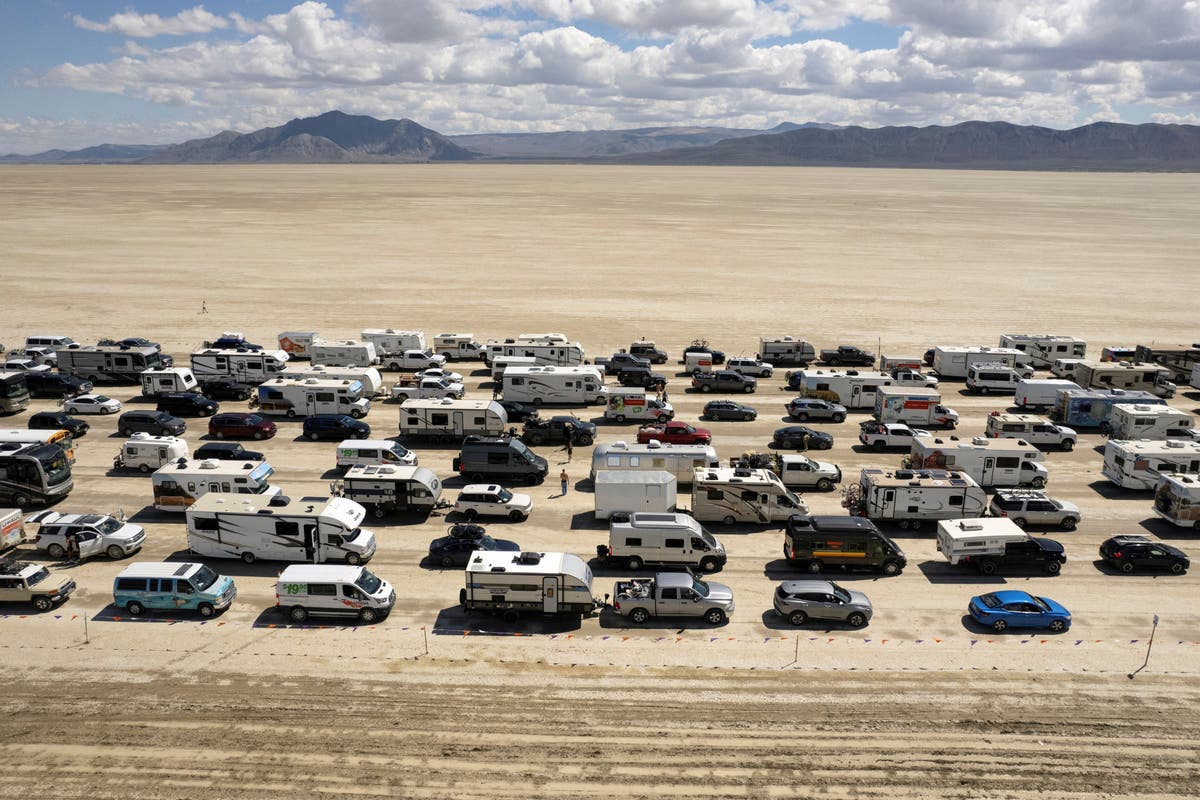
(433, 702)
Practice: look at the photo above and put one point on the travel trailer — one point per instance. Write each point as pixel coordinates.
(1030, 427)
(554, 385)
(553, 353)
(1177, 499)
(512, 583)
(786, 351)
(990, 462)
(727, 495)
(305, 397)
(501, 363)
(1136, 421)
(910, 497)
(850, 388)
(388, 340)
(1036, 393)
(446, 418)
(165, 380)
(1044, 349)
(178, 484)
(108, 362)
(246, 366)
(913, 406)
(457, 346)
(389, 489)
(345, 353)
(1092, 408)
(680, 460)
(955, 362)
(298, 344)
(620, 492)
(1138, 464)
(369, 377)
(147, 453)
(1123, 375)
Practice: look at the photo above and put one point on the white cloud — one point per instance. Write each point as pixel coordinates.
(142, 26)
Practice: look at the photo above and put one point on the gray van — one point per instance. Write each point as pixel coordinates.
(497, 459)
(816, 542)
(653, 538)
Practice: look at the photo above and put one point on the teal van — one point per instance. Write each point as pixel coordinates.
(172, 586)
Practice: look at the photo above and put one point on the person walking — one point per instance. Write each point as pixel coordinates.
(804, 442)
(203, 306)
(570, 446)
(563, 478)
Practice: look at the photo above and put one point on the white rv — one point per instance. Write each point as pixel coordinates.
(557, 385)
(681, 460)
(1044, 349)
(314, 530)
(628, 403)
(1035, 393)
(851, 388)
(742, 495)
(345, 353)
(1124, 375)
(369, 377)
(246, 366)
(147, 453)
(298, 344)
(1177, 499)
(501, 363)
(1136, 421)
(554, 353)
(914, 406)
(388, 340)
(909, 497)
(447, 418)
(305, 397)
(620, 492)
(511, 583)
(457, 346)
(163, 380)
(1138, 464)
(786, 351)
(388, 489)
(990, 462)
(179, 484)
(1030, 427)
(955, 362)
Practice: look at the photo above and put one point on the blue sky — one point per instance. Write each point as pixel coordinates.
(143, 71)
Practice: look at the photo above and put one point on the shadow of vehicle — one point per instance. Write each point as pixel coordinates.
(114, 613)
(774, 621)
(971, 626)
(780, 570)
(1110, 491)
(1165, 530)
(454, 621)
(944, 573)
(610, 619)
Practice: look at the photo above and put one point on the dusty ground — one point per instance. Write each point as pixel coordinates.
(920, 703)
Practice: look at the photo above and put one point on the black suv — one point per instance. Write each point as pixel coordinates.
(226, 451)
(641, 376)
(156, 423)
(58, 421)
(227, 389)
(187, 404)
(554, 430)
(335, 426)
(56, 384)
(1133, 552)
(727, 409)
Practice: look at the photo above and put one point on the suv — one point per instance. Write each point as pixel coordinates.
(641, 376)
(794, 436)
(648, 351)
(156, 423)
(241, 425)
(727, 409)
(226, 389)
(187, 404)
(23, 582)
(226, 451)
(335, 426)
(1028, 507)
(95, 533)
(751, 366)
(499, 458)
(798, 601)
(58, 421)
(56, 384)
(1132, 552)
(806, 408)
(488, 499)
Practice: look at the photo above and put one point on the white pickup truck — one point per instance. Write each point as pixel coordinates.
(426, 388)
(889, 435)
(414, 360)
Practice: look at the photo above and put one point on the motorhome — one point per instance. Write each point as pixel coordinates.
(1092, 408)
(1177, 499)
(277, 528)
(501, 363)
(246, 366)
(955, 362)
(1030, 427)
(916, 407)
(1118, 353)
(178, 484)
(850, 388)
(553, 353)
(33, 473)
(909, 497)
(446, 418)
(620, 492)
(678, 459)
(512, 583)
(165, 380)
(557, 385)
(721, 494)
(1136, 421)
(108, 362)
(1044, 349)
(60, 437)
(677, 540)
(389, 489)
(147, 453)
(634, 404)
(298, 344)
(786, 351)
(1037, 393)
(389, 340)
(990, 462)
(1177, 359)
(344, 353)
(1138, 464)
(14, 391)
(457, 346)
(305, 397)
(369, 377)
(1124, 375)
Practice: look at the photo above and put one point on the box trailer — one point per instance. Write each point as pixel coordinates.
(1092, 408)
(515, 583)
(909, 497)
(730, 495)
(388, 489)
(1177, 499)
(1137, 377)
(620, 492)
(446, 418)
(786, 351)
(12, 527)
(1136, 421)
(1138, 464)
(913, 406)
(1039, 393)
(298, 344)
(678, 459)
(990, 462)
(955, 362)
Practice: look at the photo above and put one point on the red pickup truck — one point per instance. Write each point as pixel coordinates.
(674, 432)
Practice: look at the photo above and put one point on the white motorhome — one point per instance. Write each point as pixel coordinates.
(1030, 427)
(457, 346)
(1137, 421)
(512, 583)
(681, 460)
(1138, 464)
(1035, 393)
(147, 453)
(1044, 349)
(620, 492)
(344, 353)
(955, 362)
(277, 528)
(554, 353)
(245, 366)
(369, 377)
(1177, 499)
(388, 489)
(388, 340)
(742, 495)
(1151, 378)
(447, 418)
(163, 380)
(913, 406)
(298, 344)
(961, 540)
(850, 388)
(629, 403)
(179, 484)
(990, 462)
(501, 363)
(557, 385)
(662, 538)
(305, 397)
(786, 351)
(909, 497)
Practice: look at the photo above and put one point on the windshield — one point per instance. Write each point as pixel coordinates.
(840, 593)
(352, 535)
(204, 578)
(505, 495)
(700, 588)
(38, 576)
(520, 447)
(109, 525)
(100, 398)
(14, 387)
(368, 582)
(708, 538)
(56, 466)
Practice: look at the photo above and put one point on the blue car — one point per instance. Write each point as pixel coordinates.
(1010, 608)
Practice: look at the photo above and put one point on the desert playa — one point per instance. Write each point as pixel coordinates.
(432, 703)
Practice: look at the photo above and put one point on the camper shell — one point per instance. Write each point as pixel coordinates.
(390, 489)
(559, 385)
(165, 380)
(1177, 499)
(662, 539)
(635, 404)
(1137, 377)
(962, 539)
(243, 365)
(1040, 393)
(369, 377)
(298, 344)
(306, 397)
(955, 362)
(621, 492)
(179, 484)
(730, 495)
(990, 462)
(913, 406)
(1030, 427)
(1043, 348)
(1138, 464)
(910, 497)
(1092, 408)
(343, 353)
(457, 346)
(1136, 421)
(786, 351)
(680, 460)
(147, 453)
(445, 418)
(512, 583)
(99, 363)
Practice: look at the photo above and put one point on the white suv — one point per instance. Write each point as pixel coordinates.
(489, 499)
(96, 533)
(750, 366)
(1028, 507)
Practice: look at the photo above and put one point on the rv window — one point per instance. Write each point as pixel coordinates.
(956, 500)
(869, 388)
(614, 461)
(333, 540)
(322, 590)
(749, 494)
(1143, 422)
(675, 544)
(191, 487)
(515, 381)
(439, 419)
(716, 494)
(1106, 379)
(479, 422)
(525, 587)
(165, 383)
(285, 528)
(1013, 427)
(658, 463)
(1007, 462)
(634, 461)
(274, 394)
(205, 523)
(131, 451)
(670, 594)
(253, 365)
(633, 541)
(822, 387)
(325, 397)
(225, 486)
(1118, 462)
(412, 419)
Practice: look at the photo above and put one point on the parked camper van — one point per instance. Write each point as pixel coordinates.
(330, 590)
(786, 351)
(915, 407)
(166, 380)
(729, 495)
(513, 583)
(172, 586)
(378, 452)
(369, 377)
(988, 377)
(179, 484)
(556, 385)
(634, 404)
(245, 366)
(298, 344)
(1177, 499)
(816, 543)
(1035, 393)
(445, 418)
(678, 459)
(390, 489)
(991, 462)
(1044, 349)
(1138, 464)
(1151, 378)
(621, 492)
(1033, 429)
(147, 453)
(499, 459)
(955, 362)
(662, 538)
(457, 346)
(309, 396)
(1092, 408)
(850, 388)
(910, 497)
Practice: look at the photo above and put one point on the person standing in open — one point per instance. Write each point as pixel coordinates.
(563, 478)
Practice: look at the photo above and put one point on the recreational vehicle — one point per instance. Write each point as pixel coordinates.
(620, 492)
(511, 583)
(557, 385)
(308, 396)
(1123, 375)
(678, 459)
(909, 497)
(1035, 393)
(298, 344)
(446, 418)
(60, 437)
(889, 363)
(178, 484)
(554, 353)
(388, 341)
(1136, 421)
(108, 362)
(1030, 427)
(246, 366)
(501, 363)
(1044, 349)
(1092, 408)
(990, 462)
(164, 380)
(629, 403)
(387, 489)
(850, 388)
(457, 346)
(369, 377)
(344, 353)
(916, 407)
(33, 473)
(147, 453)
(742, 495)
(14, 391)
(1177, 499)
(1137, 464)
(277, 528)
(1195, 379)
(955, 362)
(786, 352)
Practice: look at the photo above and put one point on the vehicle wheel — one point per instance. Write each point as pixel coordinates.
(951, 426)
(797, 618)
(205, 610)
(638, 616)
(298, 614)
(802, 417)
(242, 396)
(42, 603)
(714, 616)
(1019, 522)
(537, 402)
(1128, 566)
(1054, 567)
(890, 568)
(838, 418)
(314, 436)
(462, 599)
(248, 557)
(1057, 626)
(1068, 523)
(258, 436)
(353, 559)
(1038, 483)
(984, 390)
(470, 514)
(585, 440)
(135, 608)
(663, 419)
(749, 389)
(1068, 444)
(367, 615)
(788, 444)
(516, 516)
(620, 417)
(145, 469)
(856, 620)
(815, 567)
(124, 431)
(447, 561)
(747, 418)
(878, 445)
(729, 519)
(477, 477)
(824, 485)
(634, 563)
(362, 435)
(115, 552)
(356, 413)
(987, 567)
(999, 626)
(709, 565)
(291, 412)
(511, 616)
(55, 551)
(1177, 568)
(902, 524)
(20, 499)
(706, 388)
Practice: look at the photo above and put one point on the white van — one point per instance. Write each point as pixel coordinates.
(305, 590)
(649, 538)
(992, 377)
(1065, 367)
(147, 453)
(373, 452)
(1037, 393)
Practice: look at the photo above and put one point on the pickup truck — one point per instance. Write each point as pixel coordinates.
(422, 388)
(674, 432)
(554, 430)
(672, 594)
(413, 360)
(796, 471)
(848, 356)
(889, 435)
(649, 350)
(620, 361)
(641, 376)
(724, 380)
(910, 377)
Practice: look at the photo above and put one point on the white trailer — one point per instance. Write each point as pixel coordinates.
(1137, 421)
(955, 362)
(390, 488)
(620, 492)
(344, 353)
(147, 453)
(1044, 349)
(913, 406)
(1177, 499)
(554, 353)
(298, 344)
(960, 540)
(389, 340)
(1151, 378)
(162, 380)
(512, 583)
(369, 377)
(909, 497)
(850, 388)
(1195, 381)
(446, 418)
(557, 385)
(1138, 464)
(681, 460)
(107, 362)
(457, 346)
(786, 351)
(990, 462)
(314, 530)
(178, 485)
(629, 403)
(501, 363)
(245, 366)
(304, 397)
(1036, 393)
(721, 494)
(1030, 427)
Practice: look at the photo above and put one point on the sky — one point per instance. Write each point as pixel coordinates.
(75, 73)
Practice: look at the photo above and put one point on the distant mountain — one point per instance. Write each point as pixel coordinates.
(332, 137)
(970, 145)
(100, 154)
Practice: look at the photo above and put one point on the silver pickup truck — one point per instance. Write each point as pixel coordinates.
(673, 594)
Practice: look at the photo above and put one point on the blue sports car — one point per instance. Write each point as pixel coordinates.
(1010, 608)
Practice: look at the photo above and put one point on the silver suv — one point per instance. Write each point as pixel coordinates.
(1029, 507)
(800, 601)
(806, 408)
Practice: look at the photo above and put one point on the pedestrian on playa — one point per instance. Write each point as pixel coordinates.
(563, 478)
(203, 306)
(804, 442)
(570, 445)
